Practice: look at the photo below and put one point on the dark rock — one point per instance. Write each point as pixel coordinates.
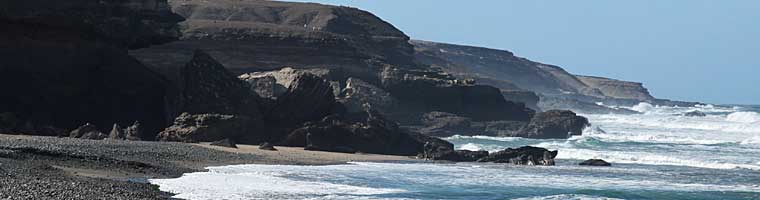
(309, 98)
(267, 146)
(441, 124)
(77, 133)
(210, 88)
(229, 143)
(530, 99)
(133, 132)
(595, 162)
(368, 132)
(695, 113)
(206, 127)
(526, 155)
(265, 86)
(459, 156)
(554, 124)
(116, 133)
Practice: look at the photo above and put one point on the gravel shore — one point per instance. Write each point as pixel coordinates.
(64, 168)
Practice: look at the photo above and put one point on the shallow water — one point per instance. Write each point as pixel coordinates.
(656, 155)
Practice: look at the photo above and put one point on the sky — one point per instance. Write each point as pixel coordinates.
(692, 50)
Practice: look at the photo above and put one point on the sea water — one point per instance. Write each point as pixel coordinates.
(659, 154)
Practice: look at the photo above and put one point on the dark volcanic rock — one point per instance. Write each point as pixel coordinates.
(441, 124)
(458, 156)
(210, 88)
(267, 146)
(695, 113)
(595, 162)
(206, 127)
(368, 132)
(309, 98)
(88, 131)
(229, 143)
(553, 124)
(72, 58)
(526, 155)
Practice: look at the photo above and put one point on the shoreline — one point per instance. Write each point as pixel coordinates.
(38, 167)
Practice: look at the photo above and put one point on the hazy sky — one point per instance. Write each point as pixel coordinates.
(696, 50)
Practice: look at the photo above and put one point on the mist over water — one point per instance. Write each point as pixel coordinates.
(659, 154)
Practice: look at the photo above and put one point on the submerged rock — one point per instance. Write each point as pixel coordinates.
(458, 155)
(695, 113)
(225, 143)
(595, 162)
(553, 124)
(526, 155)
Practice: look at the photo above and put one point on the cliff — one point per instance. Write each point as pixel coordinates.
(558, 88)
(65, 63)
(618, 89)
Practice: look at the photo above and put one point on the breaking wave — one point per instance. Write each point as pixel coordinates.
(743, 117)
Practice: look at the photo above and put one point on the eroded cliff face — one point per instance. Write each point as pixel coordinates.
(252, 35)
(65, 63)
(617, 88)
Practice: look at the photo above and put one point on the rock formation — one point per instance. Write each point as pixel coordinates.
(88, 131)
(553, 124)
(526, 155)
(618, 89)
(206, 127)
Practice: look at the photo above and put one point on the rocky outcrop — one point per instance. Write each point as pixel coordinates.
(72, 60)
(530, 99)
(420, 92)
(207, 128)
(367, 132)
(618, 89)
(210, 88)
(358, 93)
(267, 146)
(526, 155)
(553, 124)
(88, 131)
(595, 162)
(441, 124)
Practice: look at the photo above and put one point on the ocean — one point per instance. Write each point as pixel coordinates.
(656, 155)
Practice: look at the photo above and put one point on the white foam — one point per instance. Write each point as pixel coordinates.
(567, 197)
(471, 147)
(359, 180)
(259, 182)
(643, 107)
(630, 157)
(743, 117)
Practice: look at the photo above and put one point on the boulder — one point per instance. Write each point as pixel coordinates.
(225, 143)
(267, 146)
(595, 162)
(309, 98)
(553, 124)
(526, 155)
(695, 113)
(206, 128)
